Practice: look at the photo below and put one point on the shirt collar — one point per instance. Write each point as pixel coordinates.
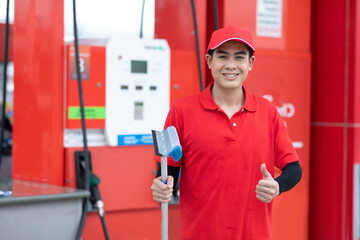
(208, 102)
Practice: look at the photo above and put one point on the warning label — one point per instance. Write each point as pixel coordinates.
(269, 18)
(84, 63)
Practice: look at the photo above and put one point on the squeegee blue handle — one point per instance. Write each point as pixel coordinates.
(176, 153)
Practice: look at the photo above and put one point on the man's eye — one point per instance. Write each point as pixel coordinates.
(239, 57)
(222, 56)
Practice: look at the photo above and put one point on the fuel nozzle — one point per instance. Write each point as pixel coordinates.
(95, 194)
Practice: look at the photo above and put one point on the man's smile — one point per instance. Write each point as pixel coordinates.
(230, 75)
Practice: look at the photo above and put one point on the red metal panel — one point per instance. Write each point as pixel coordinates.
(174, 22)
(285, 87)
(291, 94)
(184, 74)
(295, 23)
(336, 117)
(38, 98)
(326, 183)
(133, 224)
(126, 175)
(354, 63)
(328, 75)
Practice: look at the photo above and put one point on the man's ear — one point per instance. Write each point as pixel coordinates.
(251, 62)
(208, 60)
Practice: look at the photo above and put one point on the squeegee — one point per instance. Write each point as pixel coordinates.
(166, 144)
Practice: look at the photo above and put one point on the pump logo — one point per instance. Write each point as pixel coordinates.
(161, 48)
(286, 110)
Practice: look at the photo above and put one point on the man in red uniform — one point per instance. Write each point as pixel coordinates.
(231, 141)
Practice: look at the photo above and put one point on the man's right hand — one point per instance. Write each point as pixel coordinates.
(162, 192)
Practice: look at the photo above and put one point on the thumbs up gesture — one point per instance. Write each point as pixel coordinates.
(267, 187)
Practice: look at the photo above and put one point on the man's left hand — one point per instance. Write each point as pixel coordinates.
(267, 187)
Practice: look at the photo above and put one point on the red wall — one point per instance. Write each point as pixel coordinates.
(335, 117)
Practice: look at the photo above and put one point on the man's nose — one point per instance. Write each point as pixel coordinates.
(230, 64)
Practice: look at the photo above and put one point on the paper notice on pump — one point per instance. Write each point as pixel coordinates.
(269, 18)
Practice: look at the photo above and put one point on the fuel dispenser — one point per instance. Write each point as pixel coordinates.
(126, 88)
(126, 85)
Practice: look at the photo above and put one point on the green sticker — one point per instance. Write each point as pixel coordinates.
(90, 113)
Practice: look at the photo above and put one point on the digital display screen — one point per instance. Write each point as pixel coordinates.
(138, 66)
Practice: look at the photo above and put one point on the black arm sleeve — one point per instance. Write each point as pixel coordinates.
(290, 176)
(173, 171)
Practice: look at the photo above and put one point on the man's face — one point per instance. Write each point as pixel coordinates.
(230, 65)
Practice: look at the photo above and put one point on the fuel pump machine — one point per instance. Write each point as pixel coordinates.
(126, 91)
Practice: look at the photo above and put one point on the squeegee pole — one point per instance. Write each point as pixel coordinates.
(164, 206)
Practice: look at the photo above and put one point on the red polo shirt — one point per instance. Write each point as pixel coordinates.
(221, 165)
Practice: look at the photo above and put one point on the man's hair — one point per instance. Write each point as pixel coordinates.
(251, 52)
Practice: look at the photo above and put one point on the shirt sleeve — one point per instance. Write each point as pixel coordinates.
(174, 119)
(284, 150)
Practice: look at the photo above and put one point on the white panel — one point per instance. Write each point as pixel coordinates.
(137, 89)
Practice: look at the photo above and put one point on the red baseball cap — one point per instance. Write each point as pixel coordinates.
(230, 33)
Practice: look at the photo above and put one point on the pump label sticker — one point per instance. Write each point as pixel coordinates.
(269, 18)
(90, 113)
(84, 62)
(137, 139)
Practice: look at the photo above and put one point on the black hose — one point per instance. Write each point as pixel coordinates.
(142, 19)
(104, 227)
(86, 202)
(83, 126)
(96, 200)
(4, 82)
(216, 15)
(81, 98)
(197, 45)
